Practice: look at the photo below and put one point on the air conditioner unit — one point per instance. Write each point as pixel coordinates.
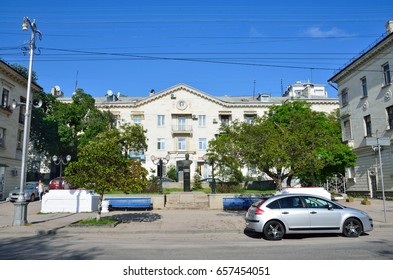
(214, 120)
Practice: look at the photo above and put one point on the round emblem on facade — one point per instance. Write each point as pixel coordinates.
(388, 95)
(181, 105)
(365, 105)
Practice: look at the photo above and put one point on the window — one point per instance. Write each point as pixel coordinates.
(364, 86)
(386, 74)
(160, 120)
(344, 97)
(181, 123)
(202, 120)
(4, 98)
(389, 111)
(20, 140)
(314, 202)
(160, 144)
(2, 136)
(181, 144)
(367, 123)
(291, 202)
(117, 121)
(137, 119)
(202, 143)
(249, 118)
(22, 110)
(225, 119)
(347, 130)
(137, 155)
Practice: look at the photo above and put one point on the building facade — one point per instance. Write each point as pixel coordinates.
(13, 86)
(366, 110)
(182, 120)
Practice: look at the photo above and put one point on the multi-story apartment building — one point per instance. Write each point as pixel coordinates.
(366, 108)
(181, 120)
(13, 86)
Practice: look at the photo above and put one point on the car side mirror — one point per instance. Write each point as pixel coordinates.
(330, 206)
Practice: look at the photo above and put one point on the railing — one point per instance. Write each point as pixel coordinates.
(182, 128)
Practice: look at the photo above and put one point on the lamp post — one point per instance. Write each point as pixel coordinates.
(60, 161)
(20, 215)
(210, 161)
(160, 162)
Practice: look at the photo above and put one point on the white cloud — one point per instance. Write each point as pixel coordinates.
(317, 32)
(255, 32)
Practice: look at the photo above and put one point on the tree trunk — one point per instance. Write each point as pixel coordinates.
(99, 207)
(289, 179)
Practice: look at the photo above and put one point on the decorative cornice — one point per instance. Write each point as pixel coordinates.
(9, 72)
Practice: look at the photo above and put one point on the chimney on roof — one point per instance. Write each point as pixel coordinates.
(389, 27)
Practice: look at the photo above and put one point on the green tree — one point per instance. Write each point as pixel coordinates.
(225, 154)
(25, 72)
(171, 172)
(104, 165)
(62, 128)
(290, 140)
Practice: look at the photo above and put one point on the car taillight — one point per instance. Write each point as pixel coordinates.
(259, 211)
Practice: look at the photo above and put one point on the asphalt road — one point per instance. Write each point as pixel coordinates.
(378, 245)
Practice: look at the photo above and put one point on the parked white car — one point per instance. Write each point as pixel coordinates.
(307, 190)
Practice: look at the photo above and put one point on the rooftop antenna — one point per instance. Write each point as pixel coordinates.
(76, 80)
(282, 89)
(253, 94)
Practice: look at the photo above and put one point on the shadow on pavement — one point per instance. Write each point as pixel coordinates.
(44, 247)
(137, 217)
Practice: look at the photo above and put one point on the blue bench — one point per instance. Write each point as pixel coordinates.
(239, 202)
(130, 202)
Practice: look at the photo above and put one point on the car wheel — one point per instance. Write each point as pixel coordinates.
(352, 228)
(274, 230)
(32, 197)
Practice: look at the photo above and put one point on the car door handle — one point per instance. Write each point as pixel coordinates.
(313, 212)
(285, 213)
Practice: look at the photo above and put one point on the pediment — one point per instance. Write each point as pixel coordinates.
(180, 88)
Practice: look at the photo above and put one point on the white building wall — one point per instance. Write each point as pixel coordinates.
(11, 150)
(379, 98)
(195, 103)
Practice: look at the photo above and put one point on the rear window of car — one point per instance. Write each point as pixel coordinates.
(273, 205)
(260, 202)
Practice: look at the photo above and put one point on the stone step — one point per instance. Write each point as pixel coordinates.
(187, 200)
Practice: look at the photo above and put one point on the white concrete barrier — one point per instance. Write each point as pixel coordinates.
(70, 201)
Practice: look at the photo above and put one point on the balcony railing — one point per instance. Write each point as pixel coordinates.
(181, 128)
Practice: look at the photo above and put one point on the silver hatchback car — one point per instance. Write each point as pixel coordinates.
(304, 213)
(30, 192)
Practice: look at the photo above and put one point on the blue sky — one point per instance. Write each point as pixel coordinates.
(231, 47)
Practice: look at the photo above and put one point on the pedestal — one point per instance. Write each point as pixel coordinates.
(105, 206)
(20, 214)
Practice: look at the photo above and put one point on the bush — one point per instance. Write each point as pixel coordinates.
(197, 183)
(171, 173)
(229, 188)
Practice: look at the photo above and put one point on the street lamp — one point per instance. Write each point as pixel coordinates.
(210, 160)
(20, 215)
(160, 162)
(60, 161)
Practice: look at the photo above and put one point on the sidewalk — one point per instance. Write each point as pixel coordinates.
(160, 221)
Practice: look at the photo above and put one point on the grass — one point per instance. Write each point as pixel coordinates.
(102, 221)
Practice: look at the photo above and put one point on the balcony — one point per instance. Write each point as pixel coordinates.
(182, 129)
(345, 112)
